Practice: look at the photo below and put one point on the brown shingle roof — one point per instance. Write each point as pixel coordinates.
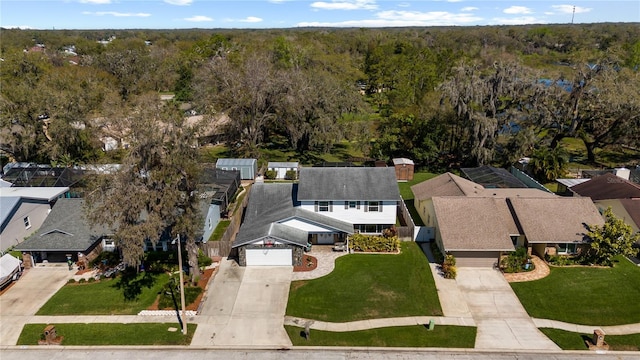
(555, 220)
(607, 186)
(447, 184)
(476, 223)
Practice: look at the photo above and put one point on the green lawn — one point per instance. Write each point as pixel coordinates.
(111, 334)
(369, 286)
(401, 336)
(568, 340)
(104, 297)
(407, 195)
(219, 230)
(581, 295)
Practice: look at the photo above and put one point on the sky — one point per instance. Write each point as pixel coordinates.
(257, 14)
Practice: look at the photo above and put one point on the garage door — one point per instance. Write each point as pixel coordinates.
(325, 239)
(475, 258)
(269, 257)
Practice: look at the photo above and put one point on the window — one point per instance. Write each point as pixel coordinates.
(352, 205)
(375, 206)
(27, 222)
(567, 249)
(323, 206)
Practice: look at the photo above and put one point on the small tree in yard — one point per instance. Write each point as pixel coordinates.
(449, 270)
(613, 238)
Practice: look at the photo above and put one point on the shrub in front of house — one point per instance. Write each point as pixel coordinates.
(516, 261)
(449, 270)
(374, 243)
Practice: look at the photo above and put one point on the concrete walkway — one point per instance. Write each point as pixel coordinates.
(588, 329)
(376, 323)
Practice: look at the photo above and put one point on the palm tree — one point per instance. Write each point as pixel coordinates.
(549, 164)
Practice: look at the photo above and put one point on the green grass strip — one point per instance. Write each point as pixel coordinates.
(568, 340)
(401, 336)
(111, 334)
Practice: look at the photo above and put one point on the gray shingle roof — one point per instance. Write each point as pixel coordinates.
(476, 223)
(64, 229)
(270, 204)
(348, 183)
(447, 184)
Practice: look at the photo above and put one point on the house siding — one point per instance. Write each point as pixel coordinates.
(355, 215)
(15, 231)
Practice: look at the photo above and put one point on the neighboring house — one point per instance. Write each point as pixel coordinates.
(281, 169)
(211, 214)
(607, 186)
(626, 209)
(325, 207)
(555, 226)
(565, 184)
(23, 210)
(66, 232)
(219, 186)
(404, 169)
(248, 167)
(478, 224)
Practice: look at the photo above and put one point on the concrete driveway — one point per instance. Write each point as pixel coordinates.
(26, 296)
(245, 306)
(502, 321)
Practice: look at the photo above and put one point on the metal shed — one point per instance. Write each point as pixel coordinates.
(248, 167)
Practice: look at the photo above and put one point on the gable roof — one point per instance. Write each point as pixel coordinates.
(270, 204)
(35, 193)
(626, 209)
(474, 224)
(65, 229)
(447, 184)
(555, 220)
(607, 186)
(236, 162)
(348, 183)
(282, 164)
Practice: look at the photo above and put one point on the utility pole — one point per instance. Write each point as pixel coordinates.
(573, 14)
(184, 318)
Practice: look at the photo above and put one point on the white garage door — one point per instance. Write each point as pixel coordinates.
(325, 238)
(269, 257)
(475, 258)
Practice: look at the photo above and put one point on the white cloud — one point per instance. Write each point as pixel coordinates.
(568, 9)
(21, 27)
(404, 4)
(345, 5)
(278, 1)
(469, 8)
(95, 1)
(394, 18)
(116, 14)
(198, 18)
(251, 19)
(179, 2)
(517, 10)
(523, 20)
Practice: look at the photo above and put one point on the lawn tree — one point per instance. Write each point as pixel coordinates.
(613, 238)
(155, 188)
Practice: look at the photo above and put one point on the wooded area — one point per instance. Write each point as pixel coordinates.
(444, 97)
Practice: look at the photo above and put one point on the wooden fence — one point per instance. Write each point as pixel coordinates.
(223, 246)
(407, 226)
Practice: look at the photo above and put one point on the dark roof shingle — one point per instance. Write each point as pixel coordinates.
(348, 183)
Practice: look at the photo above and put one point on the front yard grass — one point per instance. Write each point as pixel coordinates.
(568, 340)
(103, 297)
(369, 286)
(400, 336)
(111, 334)
(583, 295)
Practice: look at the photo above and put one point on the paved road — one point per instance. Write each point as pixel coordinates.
(181, 353)
(502, 321)
(26, 296)
(245, 307)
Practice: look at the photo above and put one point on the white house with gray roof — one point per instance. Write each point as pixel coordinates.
(326, 206)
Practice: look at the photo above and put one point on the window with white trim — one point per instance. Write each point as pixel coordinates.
(352, 204)
(567, 249)
(27, 223)
(375, 206)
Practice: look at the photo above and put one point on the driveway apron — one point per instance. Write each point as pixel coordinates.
(245, 307)
(502, 321)
(26, 296)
